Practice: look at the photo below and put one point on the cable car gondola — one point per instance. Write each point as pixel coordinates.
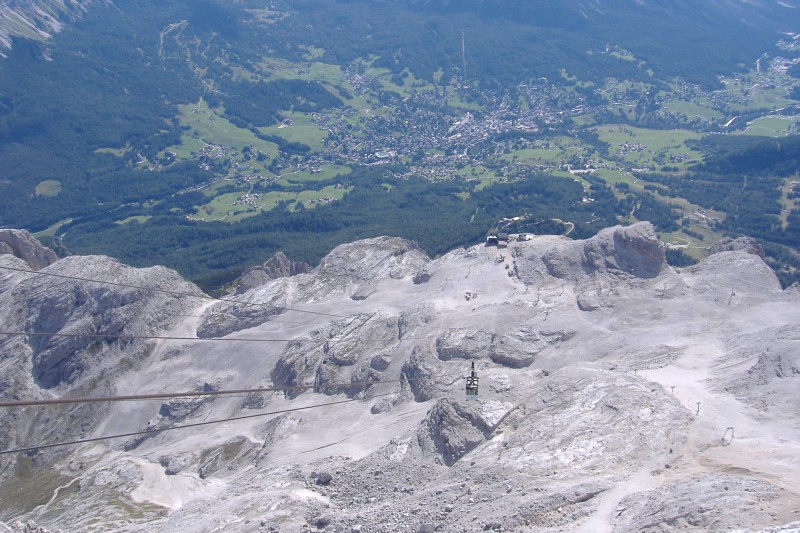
(472, 384)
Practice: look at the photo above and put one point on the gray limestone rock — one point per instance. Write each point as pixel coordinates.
(226, 318)
(422, 277)
(702, 503)
(23, 245)
(456, 343)
(420, 372)
(298, 366)
(322, 478)
(386, 404)
(93, 319)
(631, 250)
(357, 269)
(770, 374)
(745, 244)
(279, 266)
(175, 464)
(516, 349)
(520, 348)
(452, 430)
(45, 18)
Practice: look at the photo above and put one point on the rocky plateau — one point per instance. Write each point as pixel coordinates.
(617, 393)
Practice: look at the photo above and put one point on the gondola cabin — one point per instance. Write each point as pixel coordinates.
(472, 384)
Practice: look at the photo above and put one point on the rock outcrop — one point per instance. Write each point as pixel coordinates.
(35, 19)
(517, 348)
(357, 268)
(452, 430)
(75, 324)
(23, 245)
(634, 250)
(279, 266)
(745, 244)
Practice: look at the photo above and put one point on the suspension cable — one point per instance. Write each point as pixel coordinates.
(166, 395)
(185, 426)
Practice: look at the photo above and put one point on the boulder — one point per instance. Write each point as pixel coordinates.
(451, 430)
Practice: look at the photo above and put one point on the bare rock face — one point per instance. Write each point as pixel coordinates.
(595, 419)
(225, 318)
(745, 244)
(742, 268)
(28, 527)
(515, 349)
(180, 408)
(297, 367)
(633, 250)
(420, 372)
(460, 344)
(175, 464)
(279, 266)
(38, 19)
(519, 349)
(700, 504)
(357, 268)
(769, 383)
(88, 317)
(352, 351)
(23, 245)
(453, 429)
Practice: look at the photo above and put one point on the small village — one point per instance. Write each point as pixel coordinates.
(425, 135)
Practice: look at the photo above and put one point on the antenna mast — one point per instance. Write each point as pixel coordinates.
(463, 60)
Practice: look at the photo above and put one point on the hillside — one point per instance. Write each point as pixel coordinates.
(35, 19)
(220, 133)
(616, 393)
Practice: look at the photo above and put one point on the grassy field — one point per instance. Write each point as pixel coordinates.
(612, 176)
(138, 218)
(771, 126)
(229, 206)
(553, 151)
(691, 245)
(119, 152)
(310, 71)
(759, 91)
(655, 147)
(313, 198)
(308, 177)
(207, 127)
(698, 108)
(535, 155)
(303, 130)
(48, 188)
(51, 231)
(482, 175)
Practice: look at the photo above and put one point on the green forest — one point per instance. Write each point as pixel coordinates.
(433, 215)
(742, 176)
(90, 122)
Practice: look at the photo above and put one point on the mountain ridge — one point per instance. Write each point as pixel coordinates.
(616, 393)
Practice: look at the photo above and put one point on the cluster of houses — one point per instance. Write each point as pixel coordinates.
(249, 200)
